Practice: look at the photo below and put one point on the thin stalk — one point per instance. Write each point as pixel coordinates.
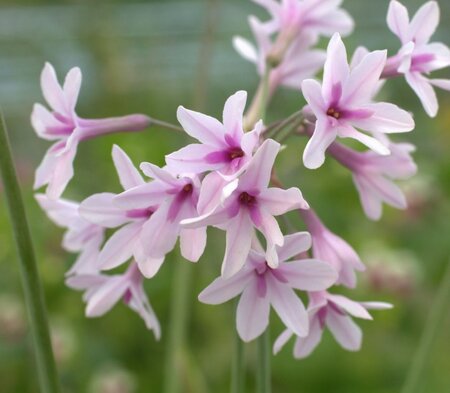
(438, 313)
(238, 365)
(165, 124)
(263, 377)
(34, 297)
(271, 133)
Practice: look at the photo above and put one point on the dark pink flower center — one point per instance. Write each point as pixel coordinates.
(247, 199)
(334, 113)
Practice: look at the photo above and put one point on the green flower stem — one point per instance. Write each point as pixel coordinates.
(34, 297)
(259, 103)
(263, 380)
(238, 365)
(438, 313)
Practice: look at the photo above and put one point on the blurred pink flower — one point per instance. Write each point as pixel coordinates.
(328, 247)
(344, 103)
(335, 312)
(82, 236)
(418, 57)
(248, 203)
(103, 292)
(321, 17)
(65, 127)
(298, 63)
(373, 174)
(261, 286)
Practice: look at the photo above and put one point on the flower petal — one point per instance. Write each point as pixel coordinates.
(204, 128)
(233, 113)
(309, 274)
(424, 91)
(424, 23)
(288, 306)
(304, 346)
(99, 209)
(278, 201)
(398, 20)
(346, 332)
(129, 176)
(322, 138)
(51, 89)
(294, 244)
(252, 313)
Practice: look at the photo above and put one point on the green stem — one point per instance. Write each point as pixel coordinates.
(238, 365)
(34, 297)
(263, 380)
(177, 328)
(438, 313)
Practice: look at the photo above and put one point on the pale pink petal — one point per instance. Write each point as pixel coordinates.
(278, 201)
(309, 274)
(233, 113)
(369, 141)
(192, 159)
(288, 306)
(425, 22)
(281, 340)
(386, 118)
(441, 83)
(51, 89)
(71, 88)
(312, 92)
(157, 173)
(129, 176)
(250, 140)
(398, 20)
(62, 172)
(346, 332)
(192, 243)
(105, 297)
(238, 238)
(139, 303)
(61, 211)
(294, 245)
(46, 125)
(204, 128)
(159, 234)
(424, 91)
(210, 192)
(257, 175)
(355, 309)
(304, 346)
(148, 266)
(323, 137)
(371, 203)
(120, 246)
(363, 79)
(252, 313)
(336, 67)
(245, 49)
(376, 305)
(221, 290)
(143, 196)
(99, 209)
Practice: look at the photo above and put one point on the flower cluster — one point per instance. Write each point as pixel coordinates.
(226, 178)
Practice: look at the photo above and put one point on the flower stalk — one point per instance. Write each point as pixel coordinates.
(263, 383)
(34, 297)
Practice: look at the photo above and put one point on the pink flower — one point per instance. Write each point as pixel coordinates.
(321, 17)
(299, 62)
(103, 292)
(225, 148)
(335, 312)
(65, 127)
(248, 203)
(328, 247)
(176, 198)
(81, 236)
(261, 286)
(344, 103)
(418, 57)
(373, 174)
(101, 210)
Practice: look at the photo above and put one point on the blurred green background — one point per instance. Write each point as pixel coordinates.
(146, 57)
